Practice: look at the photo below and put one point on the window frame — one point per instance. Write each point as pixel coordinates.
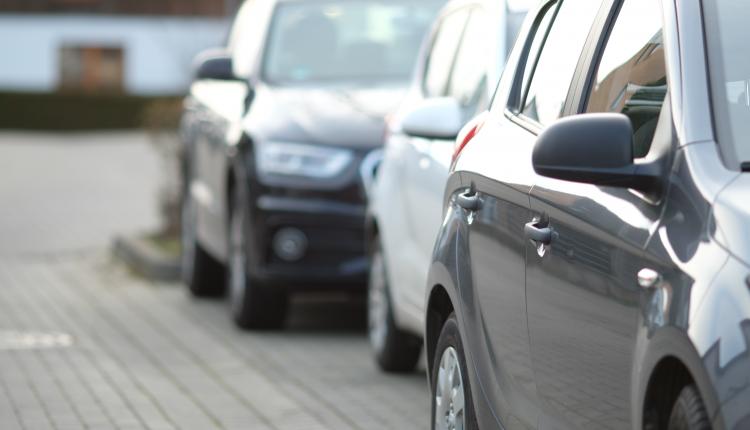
(592, 48)
(588, 80)
(517, 92)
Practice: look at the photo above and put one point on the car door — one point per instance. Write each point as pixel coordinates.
(496, 175)
(582, 290)
(422, 165)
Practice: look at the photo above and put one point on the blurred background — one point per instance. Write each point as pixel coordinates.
(90, 66)
(109, 62)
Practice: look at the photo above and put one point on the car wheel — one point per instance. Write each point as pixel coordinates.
(202, 274)
(253, 305)
(395, 350)
(689, 412)
(452, 406)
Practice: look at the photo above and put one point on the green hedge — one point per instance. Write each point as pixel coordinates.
(73, 111)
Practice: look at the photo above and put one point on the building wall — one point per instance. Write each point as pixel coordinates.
(157, 51)
(216, 8)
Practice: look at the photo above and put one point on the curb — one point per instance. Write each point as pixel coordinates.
(146, 260)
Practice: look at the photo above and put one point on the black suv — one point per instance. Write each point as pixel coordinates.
(592, 266)
(276, 129)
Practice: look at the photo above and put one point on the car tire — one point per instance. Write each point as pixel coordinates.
(449, 379)
(201, 273)
(689, 412)
(395, 350)
(253, 304)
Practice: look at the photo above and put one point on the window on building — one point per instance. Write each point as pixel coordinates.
(91, 68)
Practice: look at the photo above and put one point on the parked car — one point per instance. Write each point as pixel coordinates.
(455, 78)
(275, 129)
(591, 270)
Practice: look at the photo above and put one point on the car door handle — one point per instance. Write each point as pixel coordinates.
(538, 234)
(469, 200)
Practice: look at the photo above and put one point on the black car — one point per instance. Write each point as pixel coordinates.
(592, 268)
(276, 129)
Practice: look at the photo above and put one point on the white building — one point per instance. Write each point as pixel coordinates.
(134, 53)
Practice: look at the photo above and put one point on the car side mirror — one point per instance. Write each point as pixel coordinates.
(434, 118)
(215, 64)
(593, 149)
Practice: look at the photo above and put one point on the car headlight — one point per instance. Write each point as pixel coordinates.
(299, 159)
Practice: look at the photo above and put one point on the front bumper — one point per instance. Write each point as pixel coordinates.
(334, 257)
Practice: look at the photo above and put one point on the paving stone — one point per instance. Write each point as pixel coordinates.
(147, 356)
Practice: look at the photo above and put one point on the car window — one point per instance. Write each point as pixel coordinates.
(513, 21)
(540, 33)
(468, 82)
(729, 69)
(336, 40)
(557, 63)
(443, 52)
(631, 77)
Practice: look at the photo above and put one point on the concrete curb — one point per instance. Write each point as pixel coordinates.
(146, 259)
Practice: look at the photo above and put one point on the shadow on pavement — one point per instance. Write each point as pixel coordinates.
(327, 312)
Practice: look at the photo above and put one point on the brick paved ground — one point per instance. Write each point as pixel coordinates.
(132, 355)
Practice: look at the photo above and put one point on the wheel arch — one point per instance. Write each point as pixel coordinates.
(664, 385)
(668, 363)
(439, 308)
(372, 230)
(239, 167)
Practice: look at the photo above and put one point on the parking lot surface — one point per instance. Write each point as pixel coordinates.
(85, 344)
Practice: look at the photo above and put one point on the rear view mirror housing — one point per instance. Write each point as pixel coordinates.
(435, 118)
(594, 149)
(215, 64)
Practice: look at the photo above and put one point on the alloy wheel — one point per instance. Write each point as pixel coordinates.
(187, 238)
(377, 303)
(449, 393)
(237, 259)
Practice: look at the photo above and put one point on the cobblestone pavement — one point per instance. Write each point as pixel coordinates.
(83, 344)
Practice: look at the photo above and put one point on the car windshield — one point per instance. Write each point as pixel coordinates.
(346, 40)
(729, 65)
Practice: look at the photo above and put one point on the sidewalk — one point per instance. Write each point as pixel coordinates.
(83, 344)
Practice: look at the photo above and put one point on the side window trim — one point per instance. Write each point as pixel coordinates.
(525, 95)
(516, 97)
(604, 17)
(589, 65)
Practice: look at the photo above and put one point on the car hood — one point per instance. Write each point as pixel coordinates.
(346, 117)
(731, 218)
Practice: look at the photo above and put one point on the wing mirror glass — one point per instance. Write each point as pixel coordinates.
(435, 118)
(593, 149)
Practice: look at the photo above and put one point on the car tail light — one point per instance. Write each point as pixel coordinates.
(468, 133)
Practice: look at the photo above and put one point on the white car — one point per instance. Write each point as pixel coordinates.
(455, 78)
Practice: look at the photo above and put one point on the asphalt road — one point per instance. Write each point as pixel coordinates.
(84, 344)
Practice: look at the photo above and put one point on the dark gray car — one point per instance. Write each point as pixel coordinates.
(592, 266)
